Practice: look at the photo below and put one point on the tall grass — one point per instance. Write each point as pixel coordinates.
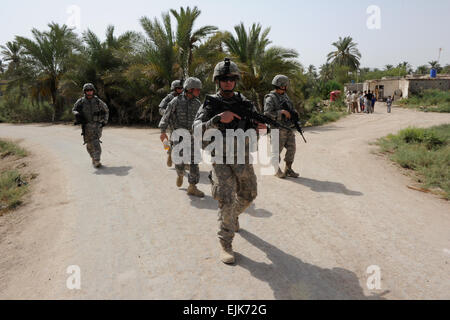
(8, 148)
(24, 112)
(10, 193)
(429, 101)
(426, 151)
(320, 114)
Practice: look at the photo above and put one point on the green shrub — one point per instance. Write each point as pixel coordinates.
(427, 151)
(9, 148)
(10, 192)
(431, 100)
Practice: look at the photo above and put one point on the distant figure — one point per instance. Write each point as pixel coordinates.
(355, 102)
(389, 104)
(361, 102)
(368, 103)
(348, 101)
(374, 101)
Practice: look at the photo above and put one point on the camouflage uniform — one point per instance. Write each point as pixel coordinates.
(234, 186)
(95, 114)
(165, 102)
(162, 109)
(272, 107)
(181, 112)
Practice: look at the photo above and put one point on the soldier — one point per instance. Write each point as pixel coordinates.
(93, 114)
(234, 186)
(273, 107)
(181, 112)
(177, 89)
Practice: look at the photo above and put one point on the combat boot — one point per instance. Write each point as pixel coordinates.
(193, 191)
(289, 172)
(237, 227)
(97, 164)
(169, 160)
(227, 254)
(180, 181)
(280, 174)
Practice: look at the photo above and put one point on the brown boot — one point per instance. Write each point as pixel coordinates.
(193, 191)
(237, 226)
(227, 254)
(289, 172)
(180, 181)
(169, 159)
(97, 164)
(280, 174)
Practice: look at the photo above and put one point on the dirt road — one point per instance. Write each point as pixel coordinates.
(135, 235)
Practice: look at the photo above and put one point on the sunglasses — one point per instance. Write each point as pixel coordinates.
(228, 79)
(89, 90)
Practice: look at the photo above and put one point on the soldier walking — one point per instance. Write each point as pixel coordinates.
(234, 186)
(274, 104)
(177, 89)
(181, 112)
(93, 114)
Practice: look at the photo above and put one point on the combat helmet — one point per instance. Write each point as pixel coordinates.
(176, 84)
(89, 86)
(226, 67)
(280, 81)
(192, 83)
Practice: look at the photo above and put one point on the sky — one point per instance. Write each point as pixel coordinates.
(395, 31)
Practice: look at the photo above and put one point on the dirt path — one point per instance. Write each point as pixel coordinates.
(135, 235)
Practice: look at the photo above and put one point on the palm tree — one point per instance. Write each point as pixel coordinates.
(312, 71)
(388, 67)
(326, 72)
(405, 66)
(259, 64)
(186, 38)
(346, 54)
(422, 69)
(12, 53)
(435, 65)
(49, 53)
(160, 49)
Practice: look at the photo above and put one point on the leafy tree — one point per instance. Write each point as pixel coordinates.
(435, 65)
(186, 38)
(49, 52)
(346, 54)
(424, 69)
(258, 62)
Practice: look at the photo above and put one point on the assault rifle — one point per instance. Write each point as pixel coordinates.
(243, 109)
(295, 118)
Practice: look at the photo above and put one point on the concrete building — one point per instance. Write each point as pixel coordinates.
(354, 87)
(402, 87)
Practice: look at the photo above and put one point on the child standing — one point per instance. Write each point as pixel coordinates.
(389, 104)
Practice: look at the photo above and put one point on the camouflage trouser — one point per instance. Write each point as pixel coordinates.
(194, 170)
(235, 187)
(287, 140)
(92, 136)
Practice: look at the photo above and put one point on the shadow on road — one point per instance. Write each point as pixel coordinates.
(325, 186)
(116, 171)
(316, 130)
(292, 279)
(258, 213)
(207, 202)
